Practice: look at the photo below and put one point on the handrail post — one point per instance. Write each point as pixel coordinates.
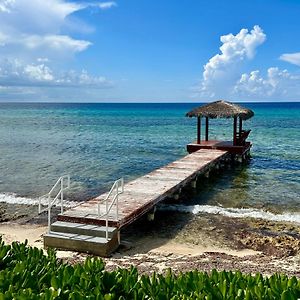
(49, 212)
(61, 194)
(116, 189)
(106, 223)
(68, 181)
(117, 206)
(56, 198)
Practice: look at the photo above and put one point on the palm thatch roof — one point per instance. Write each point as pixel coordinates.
(221, 109)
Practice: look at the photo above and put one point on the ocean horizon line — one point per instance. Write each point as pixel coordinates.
(138, 102)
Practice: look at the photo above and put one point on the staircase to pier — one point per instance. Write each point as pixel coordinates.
(82, 238)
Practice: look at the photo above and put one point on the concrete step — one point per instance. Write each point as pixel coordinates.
(81, 243)
(83, 229)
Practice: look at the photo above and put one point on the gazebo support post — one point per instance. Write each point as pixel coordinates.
(234, 130)
(198, 130)
(206, 128)
(240, 127)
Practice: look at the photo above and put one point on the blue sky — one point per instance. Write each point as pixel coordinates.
(149, 51)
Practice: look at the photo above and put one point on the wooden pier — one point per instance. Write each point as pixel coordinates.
(143, 193)
(82, 229)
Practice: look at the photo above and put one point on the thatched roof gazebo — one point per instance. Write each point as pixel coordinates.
(223, 109)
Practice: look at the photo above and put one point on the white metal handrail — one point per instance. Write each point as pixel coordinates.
(116, 189)
(63, 183)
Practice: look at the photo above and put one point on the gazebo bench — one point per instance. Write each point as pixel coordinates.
(243, 136)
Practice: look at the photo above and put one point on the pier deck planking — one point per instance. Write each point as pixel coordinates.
(143, 193)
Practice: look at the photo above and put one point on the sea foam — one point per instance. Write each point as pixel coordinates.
(12, 198)
(235, 212)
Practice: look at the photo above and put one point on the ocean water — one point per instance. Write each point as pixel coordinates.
(98, 143)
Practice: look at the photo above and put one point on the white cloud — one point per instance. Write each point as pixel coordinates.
(3, 38)
(224, 75)
(38, 72)
(5, 5)
(37, 16)
(223, 69)
(38, 24)
(16, 73)
(73, 78)
(42, 59)
(276, 85)
(107, 5)
(36, 40)
(54, 42)
(47, 44)
(293, 58)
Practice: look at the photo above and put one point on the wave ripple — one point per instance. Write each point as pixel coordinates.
(234, 212)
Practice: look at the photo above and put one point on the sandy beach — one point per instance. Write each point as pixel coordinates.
(184, 242)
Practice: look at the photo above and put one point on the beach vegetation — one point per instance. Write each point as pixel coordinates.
(29, 273)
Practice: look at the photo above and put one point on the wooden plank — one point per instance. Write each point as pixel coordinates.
(141, 194)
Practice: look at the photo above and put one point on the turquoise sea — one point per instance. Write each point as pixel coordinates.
(98, 143)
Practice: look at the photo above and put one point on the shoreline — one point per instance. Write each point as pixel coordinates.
(184, 242)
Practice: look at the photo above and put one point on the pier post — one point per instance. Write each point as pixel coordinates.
(194, 183)
(240, 159)
(151, 214)
(176, 196)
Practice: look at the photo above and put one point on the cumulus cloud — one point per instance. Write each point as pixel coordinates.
(39, 24)
(36, 16)
(293, 58)
(38, 73)
(224, 74)
(222, 70)
(16, 73)
(36, 39)
(276, 85)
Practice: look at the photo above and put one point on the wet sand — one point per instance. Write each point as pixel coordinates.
(179, 241)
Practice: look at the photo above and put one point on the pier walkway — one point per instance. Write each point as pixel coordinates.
(143, 193)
